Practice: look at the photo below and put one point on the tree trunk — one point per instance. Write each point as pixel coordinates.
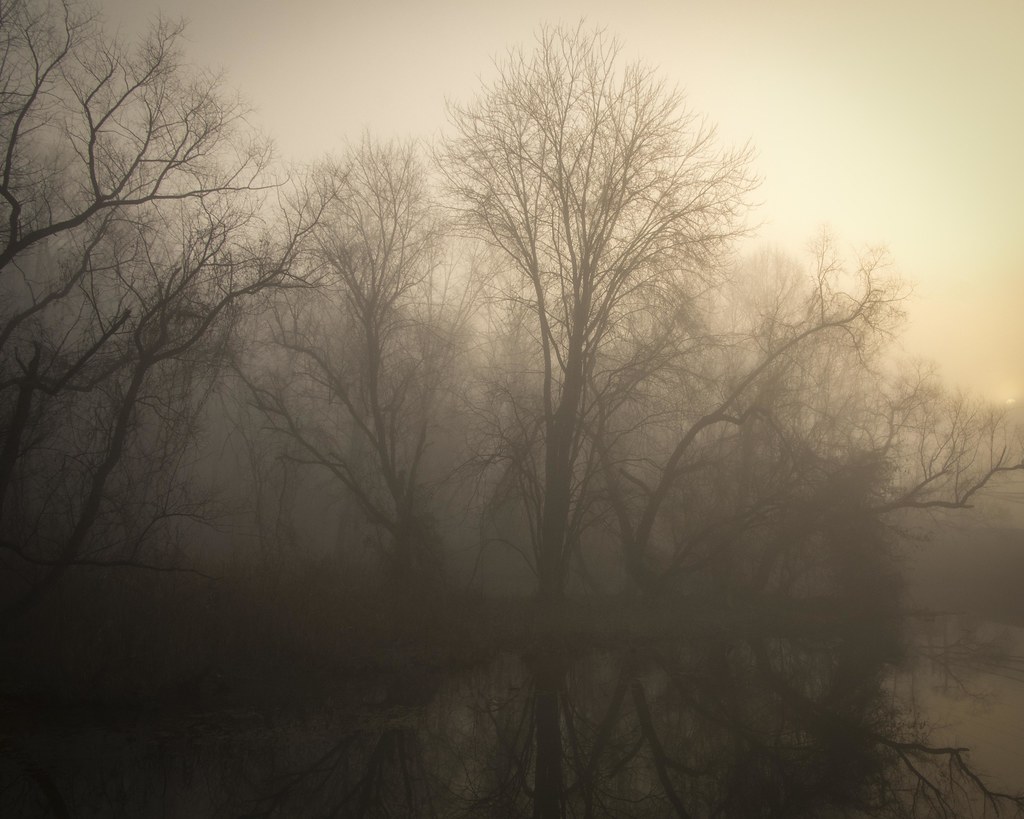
(16, 428)
(558, 472)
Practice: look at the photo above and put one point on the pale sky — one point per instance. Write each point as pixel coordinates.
(898, 122)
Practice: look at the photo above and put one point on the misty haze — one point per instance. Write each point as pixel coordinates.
(378, 448)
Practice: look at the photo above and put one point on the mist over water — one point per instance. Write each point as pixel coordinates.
(808, 715)
(513, 474)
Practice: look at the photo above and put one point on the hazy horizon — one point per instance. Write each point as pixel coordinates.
(892, 125)
(513, 443)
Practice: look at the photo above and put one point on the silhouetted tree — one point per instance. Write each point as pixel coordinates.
(603, 196)
(133, 234)
(733, 440)
(778, 431)
(944, 447)
(360, 365)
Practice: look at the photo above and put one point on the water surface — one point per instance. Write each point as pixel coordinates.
(807, 717)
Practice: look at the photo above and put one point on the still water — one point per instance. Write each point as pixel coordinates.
(799, 720)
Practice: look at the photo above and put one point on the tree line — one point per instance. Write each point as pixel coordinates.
(534, 337)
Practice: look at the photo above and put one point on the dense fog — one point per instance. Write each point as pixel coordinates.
(496, 452)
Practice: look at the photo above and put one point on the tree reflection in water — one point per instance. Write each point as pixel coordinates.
(741, 725)
(791, 717)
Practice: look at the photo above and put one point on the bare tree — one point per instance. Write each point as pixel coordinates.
(784, 431)
(135, 228)
(746, 427)
(945, 447)
(363, 361)
(603, 195)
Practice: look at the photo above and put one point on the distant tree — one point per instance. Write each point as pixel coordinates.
(354, 373)
(944, 447)
(606, 200)
(133, 232)
(770, 453)
(748, 426)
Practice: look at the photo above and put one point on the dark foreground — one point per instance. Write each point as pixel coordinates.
(503, 708)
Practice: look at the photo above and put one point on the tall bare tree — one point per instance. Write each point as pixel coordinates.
(604, 196)
(134, 230)
(362, 362)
